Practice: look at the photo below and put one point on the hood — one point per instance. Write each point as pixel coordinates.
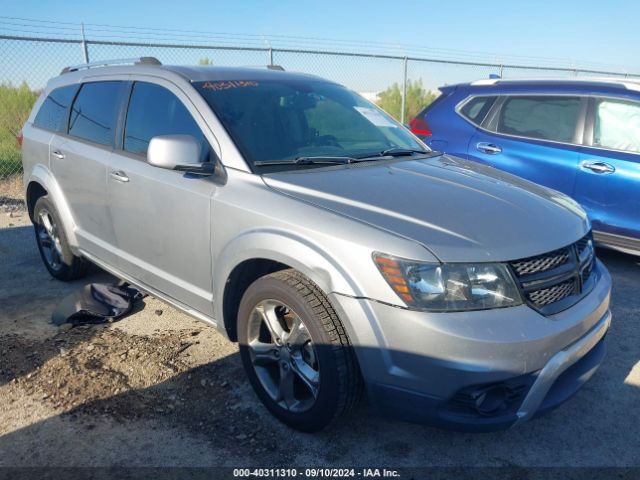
(461, 211)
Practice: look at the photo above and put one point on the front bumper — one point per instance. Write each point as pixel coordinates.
(431, 368)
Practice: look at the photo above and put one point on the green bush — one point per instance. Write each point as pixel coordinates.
(10, 161)
(15, 105)
(390, 100)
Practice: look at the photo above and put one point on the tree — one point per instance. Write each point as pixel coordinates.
(390, 100)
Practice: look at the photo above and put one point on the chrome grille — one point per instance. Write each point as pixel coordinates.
(546, 296)
(541, 263)
(555, 276)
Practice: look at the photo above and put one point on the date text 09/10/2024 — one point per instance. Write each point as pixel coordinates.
(316, 472)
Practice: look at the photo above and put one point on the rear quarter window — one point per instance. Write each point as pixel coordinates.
(93, 115)
(54, 111)
(475, 109)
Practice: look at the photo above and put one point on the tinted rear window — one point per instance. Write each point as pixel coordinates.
(476, 109)
(93, 115)
(54, 112)
(153, 111)
(546, 118)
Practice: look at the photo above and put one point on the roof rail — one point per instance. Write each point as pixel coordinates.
(623, 82)
(106, 63)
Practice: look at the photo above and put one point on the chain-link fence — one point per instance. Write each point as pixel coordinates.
(27, 63)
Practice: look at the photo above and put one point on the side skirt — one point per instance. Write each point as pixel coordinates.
(618, 242)
(154, 293)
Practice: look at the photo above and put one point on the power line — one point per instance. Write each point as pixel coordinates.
(151, 34)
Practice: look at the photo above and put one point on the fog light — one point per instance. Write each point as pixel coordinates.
(492, 400)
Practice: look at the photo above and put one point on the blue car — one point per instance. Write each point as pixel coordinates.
(580, 137)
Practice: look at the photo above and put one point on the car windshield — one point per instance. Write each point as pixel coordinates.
(277, 122)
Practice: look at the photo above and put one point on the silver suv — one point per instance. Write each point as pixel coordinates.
(309, 226)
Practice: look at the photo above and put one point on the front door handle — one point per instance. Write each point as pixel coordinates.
(58, 154)
(597, 167)
(489, 148)
(119, 176)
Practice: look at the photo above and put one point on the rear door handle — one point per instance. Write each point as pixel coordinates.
(489, 148)
(597, 167)
(119, 176)
(58, 154)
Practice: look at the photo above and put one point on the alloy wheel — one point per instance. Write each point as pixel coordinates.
(49, 239)
(283, 356)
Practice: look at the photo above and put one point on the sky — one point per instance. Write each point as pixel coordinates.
(596, 34)
(583, 31)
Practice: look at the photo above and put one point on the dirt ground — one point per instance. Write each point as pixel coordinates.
(161, 389)
(11, 191)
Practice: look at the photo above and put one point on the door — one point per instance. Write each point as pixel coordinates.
(534, 137)
(79, 162)
(161, 218)
(608, 182)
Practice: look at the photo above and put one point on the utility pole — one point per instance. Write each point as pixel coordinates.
(404, 91)
(85, 51)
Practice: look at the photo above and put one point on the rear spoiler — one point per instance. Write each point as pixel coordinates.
(447, 89)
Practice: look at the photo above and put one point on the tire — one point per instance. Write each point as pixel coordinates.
(52, 242)
(321, 346)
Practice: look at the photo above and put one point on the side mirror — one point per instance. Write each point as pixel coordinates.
(177, 152)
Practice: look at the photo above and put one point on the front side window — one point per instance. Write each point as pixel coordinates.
(617, 125)
(53, 113)
(153, 111)
(93, 115)
(273, 120)
(546, 118)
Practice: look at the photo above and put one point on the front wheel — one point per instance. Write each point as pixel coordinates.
(296, 352)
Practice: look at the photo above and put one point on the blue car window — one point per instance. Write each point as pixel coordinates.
(546, 118)
(617, 125)
(476, 109)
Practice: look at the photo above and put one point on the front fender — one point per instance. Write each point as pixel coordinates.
(290, 249)
(42, 175)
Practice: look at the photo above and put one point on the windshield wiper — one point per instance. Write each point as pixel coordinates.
(396, 152)
(327, 160)
(319, 160)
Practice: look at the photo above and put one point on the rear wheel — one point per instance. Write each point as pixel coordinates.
(296, 352)
(52, 243)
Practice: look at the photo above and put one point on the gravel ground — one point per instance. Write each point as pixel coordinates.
(161, 389)
(11, 191)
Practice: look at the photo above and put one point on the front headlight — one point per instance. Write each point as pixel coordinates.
(449, 287)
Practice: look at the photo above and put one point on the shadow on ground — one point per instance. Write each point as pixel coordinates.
(106, 397)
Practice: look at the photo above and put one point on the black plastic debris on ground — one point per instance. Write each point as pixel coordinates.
(97, 303)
